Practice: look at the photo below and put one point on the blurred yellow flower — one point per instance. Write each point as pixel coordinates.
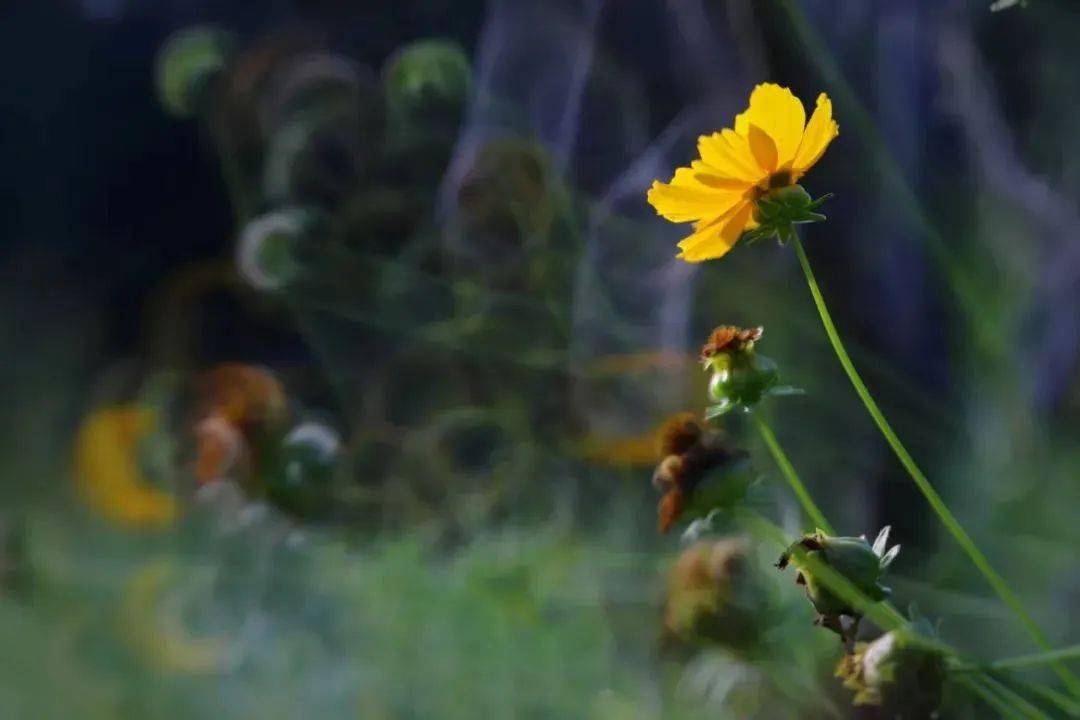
(772, 146)
(107, 468)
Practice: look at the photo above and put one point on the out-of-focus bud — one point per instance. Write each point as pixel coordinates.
(427, 80)
(426, 86)
(900, 673)
(861, 563)
(188, 66)
(323, 117)
(505, 202)
(713, 597)
(272, 250)
(246, 395)
(740, 376)
(153, 626)
(305, 467)
(240, 412)
(108, 470)
(221, 450)
(700, 472)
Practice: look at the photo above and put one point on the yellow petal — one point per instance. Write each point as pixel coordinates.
(685, 199)
(728, 154)
(713, 239)
(107, 469)
(710, 177)
(764, 149)
(820, 131)
(779, 114)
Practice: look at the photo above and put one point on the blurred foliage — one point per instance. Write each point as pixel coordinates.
(386, 453)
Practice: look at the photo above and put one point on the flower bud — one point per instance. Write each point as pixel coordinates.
(855, 559)
(306, 462)
(187, 67)
(898, 673)
(740, 377)
(712, 597)
(427, 81)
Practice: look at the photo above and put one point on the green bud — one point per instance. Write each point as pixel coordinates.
(740, 379)
(187, 66)
(859, 562)
(427, 78)
(306, 462)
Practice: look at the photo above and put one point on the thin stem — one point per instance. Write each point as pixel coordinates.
(1020, 661)
(947, 518)
(1021, 703)
(792, 477)
(991, 698)
(882, 614)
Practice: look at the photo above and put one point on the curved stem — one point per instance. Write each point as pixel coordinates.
(944, 514)
(792, 477)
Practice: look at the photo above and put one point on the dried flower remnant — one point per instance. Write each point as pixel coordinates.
(899, 673)
(860, 563)
(711, 597)
(732, 338)
(239, 406)
(698, 473)
(745, 178)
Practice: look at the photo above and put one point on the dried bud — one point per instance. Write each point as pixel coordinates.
(679, 434)
(244, 395)
(856, 560)
(740, 377)
(712, 597)
(700, 473)
(899, 673)
(730, 337)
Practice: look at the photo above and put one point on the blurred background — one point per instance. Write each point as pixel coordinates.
(337, 336)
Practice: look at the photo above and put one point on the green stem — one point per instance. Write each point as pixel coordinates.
(947, 518)
(991, 698)
(1021, 703)
(1067, 653)
(792, 477)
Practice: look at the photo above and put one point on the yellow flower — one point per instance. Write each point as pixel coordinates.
(771, 147)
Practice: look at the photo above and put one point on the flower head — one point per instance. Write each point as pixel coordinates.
(771, 147)
(740, 376)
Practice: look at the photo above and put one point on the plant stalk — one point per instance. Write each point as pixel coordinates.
(792, 477)
(944, 514)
